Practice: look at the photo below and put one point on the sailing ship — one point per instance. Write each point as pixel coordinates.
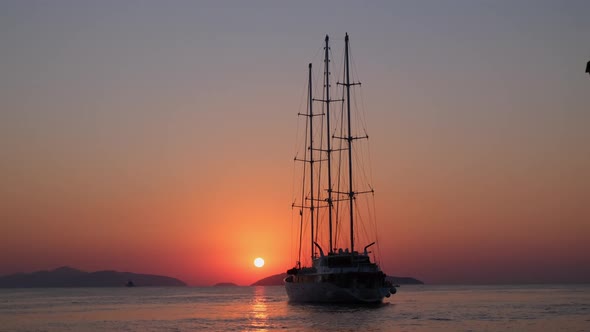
(329, 200)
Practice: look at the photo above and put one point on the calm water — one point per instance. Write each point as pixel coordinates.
(414, 308)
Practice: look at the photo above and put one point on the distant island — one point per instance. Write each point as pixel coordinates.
(277, 279)
(225, 284)
(70, 277)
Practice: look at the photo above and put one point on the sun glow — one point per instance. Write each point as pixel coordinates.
(259, 262)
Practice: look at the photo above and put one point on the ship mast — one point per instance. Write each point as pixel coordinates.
(328, 140)
(349, 139)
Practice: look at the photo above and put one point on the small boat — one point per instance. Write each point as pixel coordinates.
(327, 204)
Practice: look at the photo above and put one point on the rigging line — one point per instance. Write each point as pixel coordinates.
(303, 233)
(314, 57)
(336, 66)
(296, 149)
(301, 100)
(377, 253)
(294, 178)
(363, 109)
(359, 157)
(363, 119)
(316, 79)
(363, 234)
(365, 148)
(370, 162)
(364, 122)
(291, 242)
(311, 155)
(362, 152)
(361, 114)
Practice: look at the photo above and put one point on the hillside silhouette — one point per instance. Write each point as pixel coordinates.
(70, 277)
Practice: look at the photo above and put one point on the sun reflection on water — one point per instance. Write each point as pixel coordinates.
(258, 313)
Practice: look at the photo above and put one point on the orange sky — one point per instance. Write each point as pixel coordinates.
(159, 139)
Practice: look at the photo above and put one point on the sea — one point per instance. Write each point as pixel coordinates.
(266, 308)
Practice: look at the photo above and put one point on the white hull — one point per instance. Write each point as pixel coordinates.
(329, 293)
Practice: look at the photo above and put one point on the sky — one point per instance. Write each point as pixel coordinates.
(157, 137)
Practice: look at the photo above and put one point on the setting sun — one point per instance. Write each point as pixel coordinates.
(259, 262)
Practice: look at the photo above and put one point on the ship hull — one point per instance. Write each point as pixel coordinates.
(326, 292)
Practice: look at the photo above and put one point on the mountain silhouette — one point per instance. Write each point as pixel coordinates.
(69, 277)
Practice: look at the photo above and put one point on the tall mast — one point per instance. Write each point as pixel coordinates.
(310, 114)
(328, 140)
(349, 139)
